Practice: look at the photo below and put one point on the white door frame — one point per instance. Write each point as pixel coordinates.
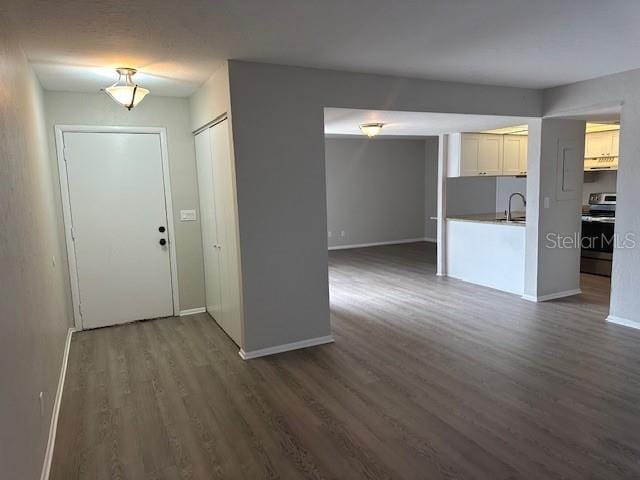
(60, 130)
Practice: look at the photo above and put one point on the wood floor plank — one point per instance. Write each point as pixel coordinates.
(429, 377)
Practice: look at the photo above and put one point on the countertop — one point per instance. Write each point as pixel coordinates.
(495, 218)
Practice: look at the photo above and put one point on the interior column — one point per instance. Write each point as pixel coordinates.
(554, 205)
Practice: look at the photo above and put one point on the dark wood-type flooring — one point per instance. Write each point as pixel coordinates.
(429, 378)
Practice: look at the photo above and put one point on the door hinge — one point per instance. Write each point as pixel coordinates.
(73, 234)
(64, 153)
(80, 309)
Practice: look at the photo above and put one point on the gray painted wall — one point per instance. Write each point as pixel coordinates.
(35, 310)
(375, 190)
(174, 115)
(552, 215)
(212, 99)
(505, 186)
(471, 195)
(600, 94)
(278, 124)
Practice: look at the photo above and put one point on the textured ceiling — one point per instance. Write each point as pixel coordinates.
(177, 44)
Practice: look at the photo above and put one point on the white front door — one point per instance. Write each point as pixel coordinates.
(119, 226)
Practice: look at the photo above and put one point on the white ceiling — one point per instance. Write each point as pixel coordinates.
(345, 121)
(532, 43)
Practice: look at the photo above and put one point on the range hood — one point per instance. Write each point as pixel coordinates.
(597, 164)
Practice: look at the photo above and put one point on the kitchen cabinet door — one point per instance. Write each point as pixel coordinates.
(514, 155)
(469, 155)
(524, 154)
(490, 155)
(599, 144)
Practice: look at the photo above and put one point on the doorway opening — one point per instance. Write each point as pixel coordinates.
(599, 201)
(598, 238)
(426, 193)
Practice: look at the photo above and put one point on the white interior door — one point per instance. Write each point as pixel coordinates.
(226, 216)
(118, 211)
(210, 241)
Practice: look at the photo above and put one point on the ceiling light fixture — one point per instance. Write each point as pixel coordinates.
(125, 91)
(371, 129)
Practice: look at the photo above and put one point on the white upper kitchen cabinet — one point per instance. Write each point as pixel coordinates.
(474, 154)
(601, 144)
(514, 154)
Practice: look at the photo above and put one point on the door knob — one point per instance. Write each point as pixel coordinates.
(163, 242)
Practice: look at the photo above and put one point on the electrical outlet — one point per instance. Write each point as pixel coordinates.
(546, 202)
(342, 233)
(329, 234)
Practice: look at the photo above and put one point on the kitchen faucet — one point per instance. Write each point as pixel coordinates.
(524, 200)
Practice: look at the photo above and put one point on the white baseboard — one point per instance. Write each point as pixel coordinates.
(193, 311)
(379, 244)
(48, 456)
(552, 296)
(311, 342)
(430, 240)
(623, 321)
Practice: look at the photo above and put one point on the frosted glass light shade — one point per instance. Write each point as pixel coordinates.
(124, 91)
(371, 129)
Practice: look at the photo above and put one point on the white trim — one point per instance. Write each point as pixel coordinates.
(311, 342)
(441, 224)
(552, 296)
(192, 311)
(378, 244)
(48, 455)
(173, 255)
(623, 321)
(60, 130)
(430, 240)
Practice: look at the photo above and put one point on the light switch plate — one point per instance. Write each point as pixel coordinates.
(187, 215)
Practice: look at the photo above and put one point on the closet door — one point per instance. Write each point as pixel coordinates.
(210, 241)
(226, 220)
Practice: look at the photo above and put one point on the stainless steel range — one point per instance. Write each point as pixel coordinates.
(598, 224)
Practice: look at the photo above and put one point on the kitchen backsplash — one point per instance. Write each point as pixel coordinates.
(598, 182)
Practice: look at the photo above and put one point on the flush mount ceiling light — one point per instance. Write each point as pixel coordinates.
(125, 91)
(371, 129)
